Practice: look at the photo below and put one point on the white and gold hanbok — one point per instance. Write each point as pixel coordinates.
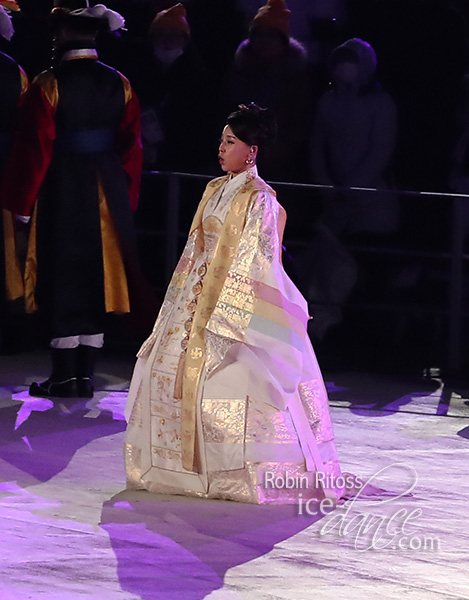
(227, 399)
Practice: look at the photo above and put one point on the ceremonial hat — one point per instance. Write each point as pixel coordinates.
(84, 12)
(274, 15)
(173, 19)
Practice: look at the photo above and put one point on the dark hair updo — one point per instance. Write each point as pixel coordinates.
(253, 125)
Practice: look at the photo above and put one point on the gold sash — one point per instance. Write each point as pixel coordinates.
(14, 280)
(30, 271)
(212, 286)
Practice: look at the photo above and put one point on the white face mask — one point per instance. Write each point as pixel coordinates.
(167, 57)
(346, 72)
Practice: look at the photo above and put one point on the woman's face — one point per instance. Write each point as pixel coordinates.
(233, 153)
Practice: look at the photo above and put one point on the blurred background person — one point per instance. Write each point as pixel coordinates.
(173, 86)
(353, 141)
(317, 25)
(271, 68)
(14, 84)
(423, 51)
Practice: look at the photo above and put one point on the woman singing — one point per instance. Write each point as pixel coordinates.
(227, 399)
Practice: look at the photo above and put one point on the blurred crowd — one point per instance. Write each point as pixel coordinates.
(192, 64)
(366, 93)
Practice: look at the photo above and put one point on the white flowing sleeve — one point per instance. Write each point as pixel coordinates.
(267, 363)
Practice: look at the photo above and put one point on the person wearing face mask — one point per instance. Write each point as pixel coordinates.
(271, 68)
(172, 85)
(353, 141)
(227, 389)
(169, 34)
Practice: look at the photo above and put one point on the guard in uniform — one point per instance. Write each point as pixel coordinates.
(75, 167)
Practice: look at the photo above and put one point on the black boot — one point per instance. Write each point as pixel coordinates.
(63, 381)
(86, 359)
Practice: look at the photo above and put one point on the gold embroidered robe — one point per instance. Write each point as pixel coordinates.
(253, 408)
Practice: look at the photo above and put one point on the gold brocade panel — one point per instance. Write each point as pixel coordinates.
(213, 285)
(268, 425)
(316, 406)
(224, 421)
